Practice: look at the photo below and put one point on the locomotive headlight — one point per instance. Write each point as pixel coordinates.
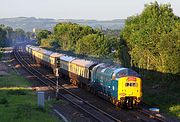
(122, 94)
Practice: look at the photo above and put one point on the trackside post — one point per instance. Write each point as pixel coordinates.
(40, 99)
(57, 83)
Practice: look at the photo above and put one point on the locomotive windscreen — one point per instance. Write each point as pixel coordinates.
(127, 72)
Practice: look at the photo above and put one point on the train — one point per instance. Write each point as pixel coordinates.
(119, 85)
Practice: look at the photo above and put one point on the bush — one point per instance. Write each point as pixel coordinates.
(1, 54)
(3, 101)
(17, 92)
(23, 111)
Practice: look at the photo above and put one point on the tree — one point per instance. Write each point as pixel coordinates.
(42, 34)
(91, 44)
(19, 34)
(69, 33)
(30, 35)
(9, 35)
(153, 39)
(2, 37)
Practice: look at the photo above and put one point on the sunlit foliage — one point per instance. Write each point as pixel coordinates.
(153, 38)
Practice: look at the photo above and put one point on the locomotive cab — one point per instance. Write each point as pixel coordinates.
(130, 91)
(122, 86)
(129, 87)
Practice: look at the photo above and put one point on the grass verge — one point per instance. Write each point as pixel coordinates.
(13, 80)
(21, 105)
(164, 95)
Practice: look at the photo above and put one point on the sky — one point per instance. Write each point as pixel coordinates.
(78, 9)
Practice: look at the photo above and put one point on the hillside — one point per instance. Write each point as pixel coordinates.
(28, 23)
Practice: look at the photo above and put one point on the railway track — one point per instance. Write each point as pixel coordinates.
(88, 108)
(91, 110)
(144, 109)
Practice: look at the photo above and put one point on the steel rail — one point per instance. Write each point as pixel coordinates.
(20, 59)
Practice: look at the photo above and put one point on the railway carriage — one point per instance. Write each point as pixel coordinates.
(80, 71)
(65, 65)
(44, 57)
(34, 50)
(31, 49)
(49, 59)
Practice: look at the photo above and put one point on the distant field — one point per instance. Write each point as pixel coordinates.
(20, 105)
(28, 23)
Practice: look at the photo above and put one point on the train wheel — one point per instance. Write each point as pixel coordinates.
(121, 105)
(54, 71)
(89, 88)
(93, 91)
(71, 81)
(81, 85)
(136, 105)
(74, 82)
(117, 104)
(113, 101)
(110, 100)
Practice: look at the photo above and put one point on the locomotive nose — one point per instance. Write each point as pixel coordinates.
(130, 90)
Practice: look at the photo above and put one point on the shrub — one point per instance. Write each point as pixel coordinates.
(3, 101)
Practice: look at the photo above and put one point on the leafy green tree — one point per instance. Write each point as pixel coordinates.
(2, 37)
(91, 45)
(42, 34)
(19, 34)
(9, 35)
(153, 39)
(50, 42)
(69, 33)
(30, 35)
(83, 40)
